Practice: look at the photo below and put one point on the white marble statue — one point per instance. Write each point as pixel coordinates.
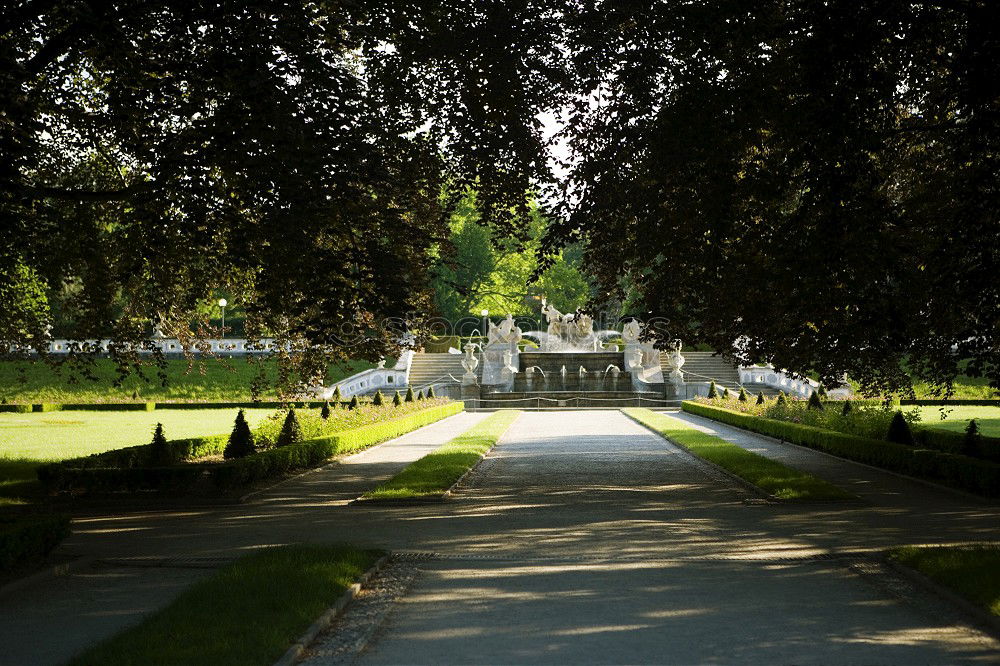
(631, 331)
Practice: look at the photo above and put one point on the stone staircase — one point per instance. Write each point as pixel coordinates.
(436, 368)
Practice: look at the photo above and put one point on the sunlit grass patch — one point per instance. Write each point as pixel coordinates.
(439, 470)
(772, 477)
(972, 572)
(247, 613)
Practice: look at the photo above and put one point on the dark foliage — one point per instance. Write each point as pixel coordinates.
(814, 401)
(377, 398)
(353, 404)
(742, 397)
(899, 431)
(847, 409)
(713, 392)
(159, 451)
(397, 399)
(324, 412)
(291, 430)
(972, 441)
(760, 398)
(241, 441)
(409, 394)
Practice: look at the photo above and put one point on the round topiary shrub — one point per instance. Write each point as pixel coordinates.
(241, 442)
(291, 430)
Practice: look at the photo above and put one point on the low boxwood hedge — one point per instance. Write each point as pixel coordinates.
(277, 462)
(125, 470)
(26, 540)
(978, 476)
(929, 437)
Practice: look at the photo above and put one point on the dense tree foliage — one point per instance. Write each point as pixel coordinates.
(816, 181)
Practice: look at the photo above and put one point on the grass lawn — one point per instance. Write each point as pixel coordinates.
(212, 380)
(26, 440)
(971, 571)
(248, 613)
(770, 476)
(439, 470)
(958, 417)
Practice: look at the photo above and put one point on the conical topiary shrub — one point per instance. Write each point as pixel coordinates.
(337, 398)
(291, 431)
(742, 397)
(353, 404)
(899, 430)
(397, 399)
(430, 393)
(324, 412)
(159, 450)
(847, 409)
(377, 399)
(782, 399)
(420, 396)
(972, 440)
(822, 391)
(241, 442)
(409, 394)
(815, 402)
(725, 393)
(713, 392)
(760, 398)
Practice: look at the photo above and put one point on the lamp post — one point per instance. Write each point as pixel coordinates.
(485, 313)
(222, 304)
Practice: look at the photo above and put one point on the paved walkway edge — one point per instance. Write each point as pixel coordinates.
(431, 499)
(982, 618)
(47, 572)
(749, 487)
(987, 501)
(294, 653)
(331, 462)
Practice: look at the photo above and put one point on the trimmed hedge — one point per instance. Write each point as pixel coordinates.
(123, 469)
(277, 462)
(148, 406)
(929, 437)
(26, 541)
(17, 409)
(978, 476)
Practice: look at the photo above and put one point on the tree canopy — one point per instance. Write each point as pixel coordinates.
(811, 184)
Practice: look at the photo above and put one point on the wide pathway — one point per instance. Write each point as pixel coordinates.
(609, 545)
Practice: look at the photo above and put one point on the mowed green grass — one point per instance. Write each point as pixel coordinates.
(770, 476)
(212, 380)
(957, 418)
(248, 613)
(970, 571)
(440, 469)
(27, 440)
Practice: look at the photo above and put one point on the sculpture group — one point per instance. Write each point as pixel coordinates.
(569, 332)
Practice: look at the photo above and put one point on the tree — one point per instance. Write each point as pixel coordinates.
(713, 392)
(899, 430)
(825, 160)
(742, 397)
(760, 398)
(430, 393)
(420, 396)
(159, 450)
(377, 399)
(397, 399)
(782, 399)
(291, 430)
(324, 412)
(241, 440)
(353, 404)
(725, 393)
(814, 401)
(972, 440)
(409, 394)
(336, 397)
